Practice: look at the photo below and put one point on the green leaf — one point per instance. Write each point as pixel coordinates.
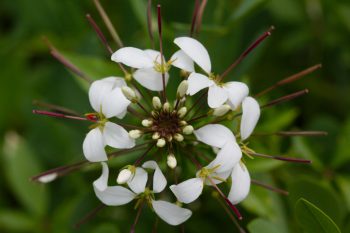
(344, 186)
(16, 221)
(342, 154)
(19, 165)
(245, 8)
(260, 225)
(313, 220)
(318, 192)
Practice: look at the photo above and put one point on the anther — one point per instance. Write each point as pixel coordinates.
(183, 123)
(155, 136)
(182, 112)
(171, 161)
(157, 104)
(130, 94)
(166, 107)
(182, 89)
(147, 123)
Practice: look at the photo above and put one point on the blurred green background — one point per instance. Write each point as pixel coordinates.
(307, 32)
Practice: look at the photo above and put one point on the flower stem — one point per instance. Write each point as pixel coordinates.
(287, 159)
(268, 187)
(161, 49)
(285, 98)
(60, 115)
(194, 17)
(140, 159)
(99, 33)
(138, 214)
(149, 22)
(56, 108)
(89, 215)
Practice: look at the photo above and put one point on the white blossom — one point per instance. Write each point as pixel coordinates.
(219, 93)
(119, 195)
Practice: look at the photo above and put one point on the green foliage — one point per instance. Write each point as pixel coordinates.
(312, 219)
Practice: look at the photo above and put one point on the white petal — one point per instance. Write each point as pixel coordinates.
(227, 157)
(154, 55)
(196, 51)
(97, 92)
(214, 135)
(102, 182)
(221, 175)
(171, 213)
(150, 79)
(217, 96)
(114, 103)
(117, 137)
(122, 114)
(114, 195)
(250, 116)
(240, 183)
(159, 180)
(94, 146)
(197, 82)
(138, 182)
(182, 61)
(133, 57)
(188, 191)
(237, 91)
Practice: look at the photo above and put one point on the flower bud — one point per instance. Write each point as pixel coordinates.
(182, 112)
(157, 104)
(130, 94)
(171, 161)
(47, 178)
(161, 142)
(182, 89)
(166, 107)
(188, 129)
(123, 176)
(147, 123)
(222, 110)
(183, 123)
(155, 136)
(178, 137)
(135, 133)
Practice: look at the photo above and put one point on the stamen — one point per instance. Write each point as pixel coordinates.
(200, 15)
(59, 57)
(140, 159)
(285, 98)
(268, 187)
(294, 133)
(89, 216)
(290, 79)
(60, 115)
(194, 17)
(55, 108)
(247, 51)
(99, 33)
(161, 48)
(287, 159)
(149, 22)
(132, 230)
(108, 23)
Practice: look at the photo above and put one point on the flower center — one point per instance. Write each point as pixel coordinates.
(167, 124)
(216, 79)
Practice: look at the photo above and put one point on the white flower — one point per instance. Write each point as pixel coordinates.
(218, 170)
(250, 116)
(103, 95)
(240, 184)
(119, 195)
(219, 93)
(148, 64)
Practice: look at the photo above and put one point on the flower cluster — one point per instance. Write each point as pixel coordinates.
(169, 126)
(135, 113)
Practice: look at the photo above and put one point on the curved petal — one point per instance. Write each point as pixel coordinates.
(150, 79)
(94, 146)
(133, 57)
(196, 51)
(97, 92)
(154, 55)
(114, 195)
(227, 157)
(250, 116)
(117, 137)
(114, 103)
(218, 177)
(138, 183)
(122, 114)
(102, 182)
(240, 184)
(189, 190)
(197, 82)
(182, 61)
(214, 135)
(237, 91)
(217, 96)
(171, 213)
(159, 180)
